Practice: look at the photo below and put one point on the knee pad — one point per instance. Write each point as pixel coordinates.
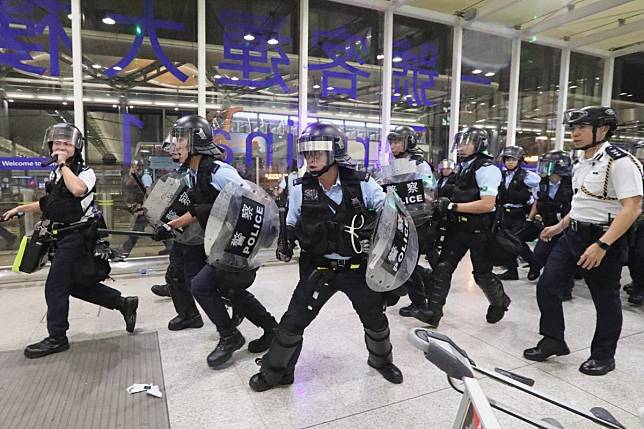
(379, 347)
(444, 270)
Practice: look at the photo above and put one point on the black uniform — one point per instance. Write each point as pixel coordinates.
(321, 231)
(73, 268)
(445, 186)
(468, 232)
(212, 286)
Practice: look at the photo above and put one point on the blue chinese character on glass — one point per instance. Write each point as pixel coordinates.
(22, 20)
(413, 71)
(253, 46)
(340, 46)
(146, 25)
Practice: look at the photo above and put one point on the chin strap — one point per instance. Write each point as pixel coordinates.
(321, 172)
(595, 142)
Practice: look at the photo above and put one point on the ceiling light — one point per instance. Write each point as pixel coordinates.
(397, 59)
(330, 88)
(623, 93)
(273, 39)
(249, 37)
(380, 56)
(64, 103)
(572, 87)
(396, 94)
(109, 21)
(11, 100)
(176, 109)
(489, 74)
(117, 68)
(629, 95)
(316, 86)
(234, 78)
(69, 16)
(96, 66)
(477, 71)
(131, 107)
(114, 105)
(217, 76)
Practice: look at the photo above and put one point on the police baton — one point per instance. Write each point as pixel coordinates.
(102, 230)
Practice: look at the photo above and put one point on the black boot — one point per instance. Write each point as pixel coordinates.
(160, 290)
(178, 323)
(127, 307)
(262, 343)
(381, 356)
(545, 348)
(46, 347)
(510, 274)
(225, 348)
(278, 365)
(423, 314)
(597, 366)
(636, 298)
(496, 312)
(250, 307)
(534, 272)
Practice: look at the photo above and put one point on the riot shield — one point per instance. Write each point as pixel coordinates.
(169, 199)
(395, 246)
(414, 184)
(243, 219)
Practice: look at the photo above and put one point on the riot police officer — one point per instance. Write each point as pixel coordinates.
(636, 249)
(70, 200)
(607, 186)
(323, 207)
(515, 201)
(403, 141)
(446, 176)
(211, 286)
(553, 203)
(470, 212)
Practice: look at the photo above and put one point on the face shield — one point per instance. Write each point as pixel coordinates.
(462, 140)
(546, 167)
(446, 163)
(316, 153)
(398, 139)
(62, 133)
(179, 140)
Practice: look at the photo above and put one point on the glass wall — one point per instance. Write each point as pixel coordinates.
(538, 95)
(628, 98)
(421, 82)
(345, 73)
(485, 82)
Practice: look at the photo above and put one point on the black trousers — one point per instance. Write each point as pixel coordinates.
(315, 288)
(636, 260)
(514, 223)
(61, 283)
(458, 240)
(185, 263)
(210, 294)
(542, 251)
(603, 282)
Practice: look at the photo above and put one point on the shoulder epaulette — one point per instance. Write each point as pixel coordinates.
(297, 181)
(615, 152)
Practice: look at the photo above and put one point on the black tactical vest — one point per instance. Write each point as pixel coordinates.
(321, 230)
(548, 207)
(517, 192)
(445, 186)
(59, 204)
(465, 188)
(203, 194)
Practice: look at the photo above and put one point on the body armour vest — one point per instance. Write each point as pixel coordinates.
(321, 230)
(517, 192)
(203, 194)
(59, 204)
(445, 186)
(548, 207)
(465, 188)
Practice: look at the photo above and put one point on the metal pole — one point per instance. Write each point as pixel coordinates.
(201, 58)
(564, 74)
(513, 96)
(303, 94)
(77, 66)
(385, 108)
(455, 101)
(607, 84)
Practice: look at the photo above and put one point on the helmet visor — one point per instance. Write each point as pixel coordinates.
(446, 163)
(63, 133)
(545, 168)
(462, 140)
(315, 152)
(179, 139)
(575, 116)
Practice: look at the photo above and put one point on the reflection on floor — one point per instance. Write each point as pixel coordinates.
(334, 386)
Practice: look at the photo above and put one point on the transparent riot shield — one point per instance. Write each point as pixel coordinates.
(395, 246)
(243, 220)
(414, 183)
(169, 199)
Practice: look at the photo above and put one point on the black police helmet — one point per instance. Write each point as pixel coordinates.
(597, 116)
(325, 132)
(407, 134)
(199, 132)
(475, 135)
(555, 162)
(515, 152)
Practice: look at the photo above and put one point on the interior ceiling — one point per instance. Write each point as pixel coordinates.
(595, 27)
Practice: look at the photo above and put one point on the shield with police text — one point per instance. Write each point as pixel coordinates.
(243, 220)
(413, 182)
(395, 246)
(169, 199)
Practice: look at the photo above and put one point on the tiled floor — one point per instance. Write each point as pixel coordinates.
(334, 387)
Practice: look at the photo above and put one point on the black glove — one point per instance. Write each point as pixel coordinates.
(445, 206)
(102, 250)
(284, 251)
(163, 232)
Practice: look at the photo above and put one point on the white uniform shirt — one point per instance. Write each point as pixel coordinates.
(589, 183)
(89, 178)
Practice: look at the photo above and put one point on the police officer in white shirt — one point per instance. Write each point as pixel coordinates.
(607, 186)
